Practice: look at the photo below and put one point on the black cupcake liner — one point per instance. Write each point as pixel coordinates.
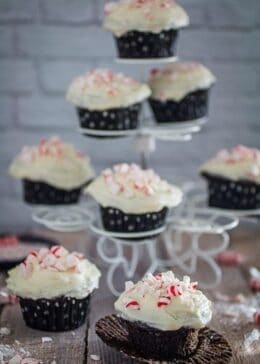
(36, 192)
(59, 314)
(117, 221)
(235, 195)
(193, 106)
(158, 344)
(212, 347)
(117, 119)
(136, 44)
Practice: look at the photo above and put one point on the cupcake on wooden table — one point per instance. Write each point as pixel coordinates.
(54, 288)
(180, 92)
(145, 28)
(107, 101)
(161, 316)
(132, 199)
(233, 178)
(52, 172)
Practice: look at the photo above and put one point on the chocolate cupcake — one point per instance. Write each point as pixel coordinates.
(162, 316)
(107, 101)
(180, 92)
(133, 200)
(233, 178)
(52, 172)
(54, 288)
(145, 29)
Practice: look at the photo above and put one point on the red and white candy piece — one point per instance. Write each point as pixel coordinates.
(164, 301)
(133, 305)
(257, 317)
(255, 284)
(229, 258)
(58, 251)
(175, 290)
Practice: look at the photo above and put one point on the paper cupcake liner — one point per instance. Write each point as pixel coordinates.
(158, 344)
(235, 195)
(136, 44)
(116, 220)
(42, 193)
(212, 348)
(58, 314)
(191, 107)
(123, 118)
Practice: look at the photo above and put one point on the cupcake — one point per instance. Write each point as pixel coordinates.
(145, 28)
(233, 178)
(107, 101)
(52, 172)
(54, 288)
(180, 92)
(133, 200)
(162, 316)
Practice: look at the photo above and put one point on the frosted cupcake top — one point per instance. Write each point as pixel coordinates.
(54, 272)
(238, 163)
(53, 162)
(133, 190)
(165, 302)
(144, 16)
(174, 82)
(101, 89)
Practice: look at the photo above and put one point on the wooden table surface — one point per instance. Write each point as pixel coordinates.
(79, 346)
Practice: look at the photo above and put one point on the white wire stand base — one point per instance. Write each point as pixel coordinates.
(124, 252)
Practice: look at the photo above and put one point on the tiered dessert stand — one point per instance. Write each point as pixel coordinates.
(193, 221)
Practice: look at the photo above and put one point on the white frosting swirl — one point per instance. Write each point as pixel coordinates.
(54, 272)
(174, 82)
(164, 302)
(53, 162)
(144, 16)
(133, 190)
(237, 163)
(101, 89)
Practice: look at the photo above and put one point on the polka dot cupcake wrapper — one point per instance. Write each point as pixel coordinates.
(235, 195)
(117, 221)
(123, 118)
(42, 193)
(191, 107)
(59, 314)
(136, 44)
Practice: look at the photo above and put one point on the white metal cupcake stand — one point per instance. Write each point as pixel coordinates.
(182, 240)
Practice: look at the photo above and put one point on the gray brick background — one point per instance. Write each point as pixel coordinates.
(45, 43)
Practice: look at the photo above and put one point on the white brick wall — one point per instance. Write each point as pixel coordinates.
(45, 43)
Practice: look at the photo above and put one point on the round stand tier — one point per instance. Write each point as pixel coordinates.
(146, 61)
(178, 131)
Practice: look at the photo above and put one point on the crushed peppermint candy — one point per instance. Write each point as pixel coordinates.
(46, 339)
(229, 258)
(56, 259)
(54, 147)
(127, 178)
(95, 357)
(5, 331)
(238, 153)
(257, 317)
(165, 286)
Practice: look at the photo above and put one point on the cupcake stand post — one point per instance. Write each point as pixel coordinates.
(190, 220)
(193, 222)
